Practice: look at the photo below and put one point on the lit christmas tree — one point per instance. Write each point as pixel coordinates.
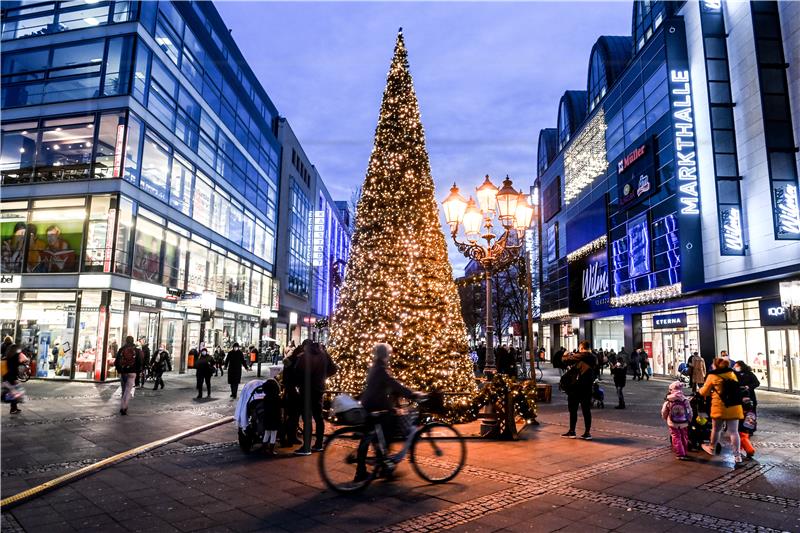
(399, 284)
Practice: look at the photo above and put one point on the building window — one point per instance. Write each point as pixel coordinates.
(54, 17)
(299, 264)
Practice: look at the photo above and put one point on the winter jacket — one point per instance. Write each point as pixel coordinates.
(380, 389)
(587, 363)
(620, 374)
(713, 388)
(203, 364)
(698, 369)
(272, 405)
(676, 397)
(313, 368)
(11, 355)
(137, 364)
(234, 362)
(748, 379)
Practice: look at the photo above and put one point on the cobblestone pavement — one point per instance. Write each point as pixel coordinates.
(625, 480)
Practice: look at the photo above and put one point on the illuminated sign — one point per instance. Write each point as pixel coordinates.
(772, 313)
(588, 281)
(683, 124)
(638, 247)
(595, 280)
(118, 148)
(675, 320)
(628, 160)
(318, 239)
(731, 222)
(788, 211)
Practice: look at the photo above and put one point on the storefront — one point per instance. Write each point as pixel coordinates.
(669, 337)
(759, 332)
(608, 333)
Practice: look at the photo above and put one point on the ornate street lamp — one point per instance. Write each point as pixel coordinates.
(514, 214)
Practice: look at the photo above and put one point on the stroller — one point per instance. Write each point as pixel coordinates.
(249, 415)
(598, 395)
(700, 425)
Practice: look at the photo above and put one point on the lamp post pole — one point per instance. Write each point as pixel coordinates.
(514, 213)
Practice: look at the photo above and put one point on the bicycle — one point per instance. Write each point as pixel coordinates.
(436, 449)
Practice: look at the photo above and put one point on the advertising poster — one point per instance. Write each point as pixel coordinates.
(636, 173)
(638, 247)
(43, 355)
(588, 282)
(12, 237)
(54, 242)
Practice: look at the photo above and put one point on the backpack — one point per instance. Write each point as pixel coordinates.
(127, 360)
(750, 420)
(730, 393)
(570, 379)
(677, 412)
(557, 359)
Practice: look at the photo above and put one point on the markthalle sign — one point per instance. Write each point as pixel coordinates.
(588, 282)
(636, 173)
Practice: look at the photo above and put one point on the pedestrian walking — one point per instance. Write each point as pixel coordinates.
(314, 366)
(218, 361)
(204, 369)
(636, 365)
(234, 362)
(557, 360)
(620, 373)
(504, 361)
(128, 363)
(162, 362)
(677, 413)
(601, 361)
(289, 350)
(722, 387)
(644, 364)
(13, 393)
(748, 382)
(145, 369)
(577, 383)
(481, 353)
(7, 341)
(697, 371)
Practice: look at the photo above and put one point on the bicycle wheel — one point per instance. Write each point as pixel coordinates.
(438, 452)
(539, 374)
(338, 462)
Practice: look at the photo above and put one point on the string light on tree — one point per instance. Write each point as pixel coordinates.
(399, 286)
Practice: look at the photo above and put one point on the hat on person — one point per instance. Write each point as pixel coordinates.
(676, 386)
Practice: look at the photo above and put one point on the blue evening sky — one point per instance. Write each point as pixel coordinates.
(488, 77)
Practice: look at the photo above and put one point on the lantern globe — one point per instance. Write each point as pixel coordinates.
(507, 198)
(454, 207)
(473, 219)
(523, 214)
(487, 195)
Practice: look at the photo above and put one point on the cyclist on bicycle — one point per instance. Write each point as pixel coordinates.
(378, 397)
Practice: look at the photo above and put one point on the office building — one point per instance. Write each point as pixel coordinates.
(669, 206)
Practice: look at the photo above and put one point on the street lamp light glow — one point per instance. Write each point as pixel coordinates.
(454, 207)
(507, 198)
(487, 196)
(523, 215)
(473, 219)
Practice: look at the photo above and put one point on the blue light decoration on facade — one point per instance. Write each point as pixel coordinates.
(638, 247)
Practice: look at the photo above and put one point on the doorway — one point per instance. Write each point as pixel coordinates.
(144, 324)
(171, 336)
(783, 359)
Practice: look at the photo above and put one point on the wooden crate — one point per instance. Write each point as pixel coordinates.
(544, 392)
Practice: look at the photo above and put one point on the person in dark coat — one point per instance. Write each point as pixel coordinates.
(7, 341)
(234, 362)
(620, 372)
(601, 361)
(481, 352)
(379, 395)
(272, 415)
(141, 376)
(204, 367)
(644, 364)
(291, 396)
(162, 362)
(580, 393)
(748, 382)
(504, 360)
(13, 356)
(314, 367)
(557, 358)
(636, 365)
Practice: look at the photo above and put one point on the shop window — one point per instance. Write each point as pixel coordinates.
(198, 257)
(201, 211)
(124, 237)
(118, 66)
(155, 168)
(174, 263)
(65, 149)
(13, 224)
(91, 336)
(180, 195)
(147, 251)
(108, 147)
(55, 239)
(100, 235)
(116, 323)
(46, 332)
(18, 145)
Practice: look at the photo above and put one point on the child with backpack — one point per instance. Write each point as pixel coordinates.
(722, 386)
(677, 412)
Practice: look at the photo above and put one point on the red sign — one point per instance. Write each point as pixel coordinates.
(112, 213)
(101, 333)
(118, 147)
(628, 160)
(648, 348)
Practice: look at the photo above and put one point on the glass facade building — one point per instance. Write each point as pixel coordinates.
(140, 169)
(653, 188)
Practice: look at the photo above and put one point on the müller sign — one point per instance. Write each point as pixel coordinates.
(684, 142)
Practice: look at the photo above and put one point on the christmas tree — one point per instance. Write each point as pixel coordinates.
(399, 284)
